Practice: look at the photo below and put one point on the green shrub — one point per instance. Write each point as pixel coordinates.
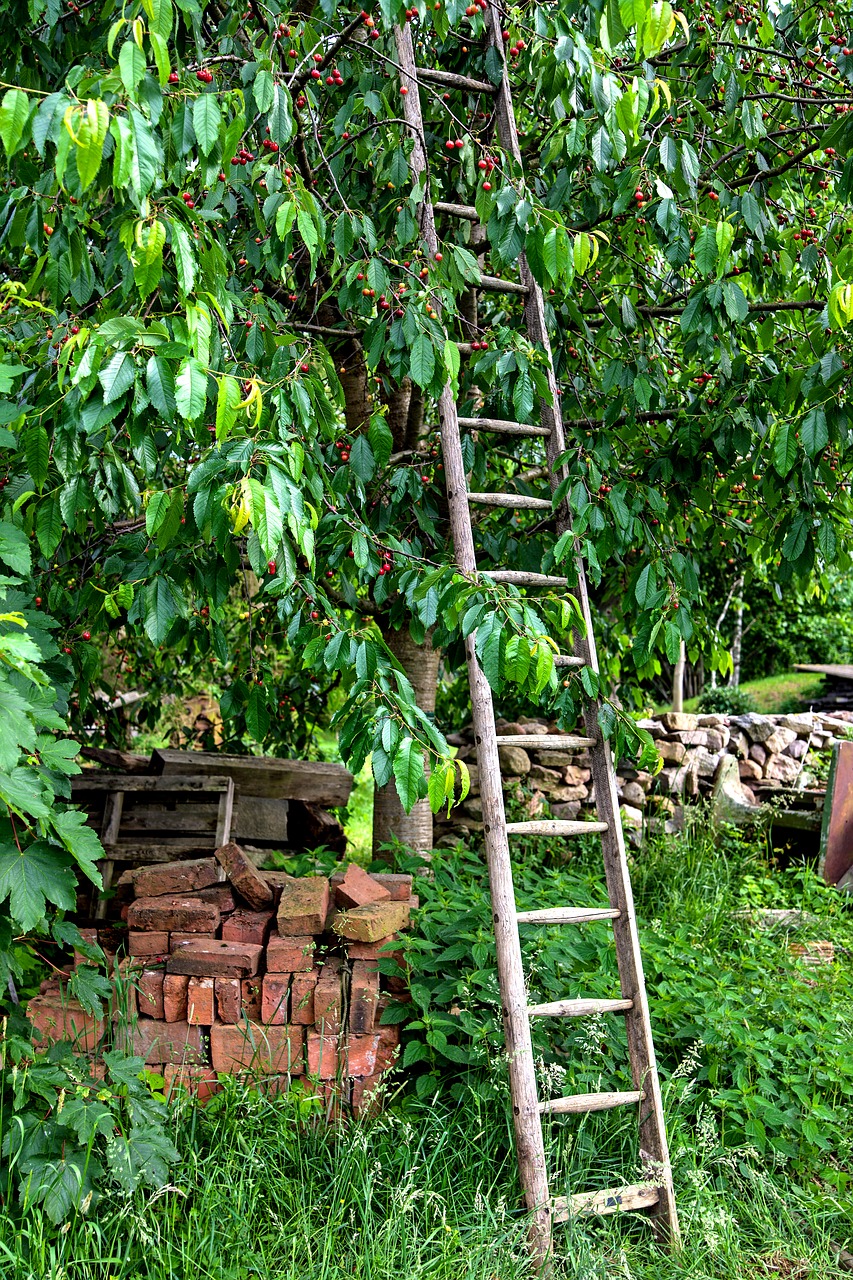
(726, 700)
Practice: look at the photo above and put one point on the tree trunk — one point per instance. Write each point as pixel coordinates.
(390, 820)
(737, 642)
(678, 680)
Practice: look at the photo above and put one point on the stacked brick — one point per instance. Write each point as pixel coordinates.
(258, 974)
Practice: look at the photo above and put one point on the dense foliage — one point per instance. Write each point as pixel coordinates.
(221, 348)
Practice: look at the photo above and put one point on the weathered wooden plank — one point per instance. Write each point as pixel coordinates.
(619, 1200)
(578, 1104)
(836, 837)
(312, 780)
(99, 780)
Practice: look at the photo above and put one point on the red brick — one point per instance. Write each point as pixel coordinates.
(276, 987)
(373, 950)
(398, 885)
(369, 924)
(322, 1056)
(141, 943)
(289, 955)
(175, 997)
(302, 997)
(389, 1047)
(213, 958)
(201, 1082)
(178, 878)
(200, 1002)
(162, 1042)
(368, 1094)
(166, 914)
(327, 997)
(304, 906)
(229, 999)
(178, 940)
(58, 1018)
(149, 993)
(251, 1047)
(358, 889)
(248, 926)
(244, 876)
(364, 996)
(276, 881)
(359, 1055)
(251, 989)
(222, 895)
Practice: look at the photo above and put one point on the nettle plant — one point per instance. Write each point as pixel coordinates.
(223, 340)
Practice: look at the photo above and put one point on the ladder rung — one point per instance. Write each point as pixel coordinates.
(580, 1103)
(518, 501)
(494, 284)
(567, 915)
(521, 579)
(466, 211)
(578, 1008)
(545, 741)
(568, 660)
(503, 427)
(554, 827)
(619, 1200)
(432, 75)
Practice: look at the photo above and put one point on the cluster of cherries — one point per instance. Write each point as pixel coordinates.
(343, 450)
(479, 346)
(387, 564)
(204, 75)
(514, 49)
(370, 23)
(475, 8)
(243, 157)
(188, 200)
(269, 145)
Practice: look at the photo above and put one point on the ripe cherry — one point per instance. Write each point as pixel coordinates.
(305, 368)
(38, 599)
(174, 78)
(438, 257)
(314, 615)
(87, 635)
(271, 566)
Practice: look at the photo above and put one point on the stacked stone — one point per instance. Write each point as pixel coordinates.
(770, 751)
(240, 971)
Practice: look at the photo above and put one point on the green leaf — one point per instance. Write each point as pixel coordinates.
(14, 113)
(207, 119)
(91, 136)
(131, 65)
(14, 547)
(409, 772)
(32, 877)
(257, 714)
(37, 450)
(668, 153)
(814, 433)
(784, 448)
(191, 389)
(160, 384)
(80, 840)
(646, 589)
(49, 527)
(117, 376)
(734, 300)
(227, 398)
(185, 258)
(381, 439)
(705, 251)
(422, 360)
(263, 89)
(156, 512)
(162, 605)
(362, 462)
(280, 118)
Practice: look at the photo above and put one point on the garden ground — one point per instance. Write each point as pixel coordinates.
(755, 1053)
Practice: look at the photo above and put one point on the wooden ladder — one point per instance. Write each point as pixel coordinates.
(656, 1194)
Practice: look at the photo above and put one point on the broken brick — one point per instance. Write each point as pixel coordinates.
(302, 997)
(289, 955)
(276, 881)
(358, 889)
(161, 1042)
(275, 990)
(251, 1047)
(176, 878)
(58, 1018)
(221, 895)
(398, 884)
(229, 999)
(175, 997)
(200, 1002)
(304, 906)
(367, 1094)
(251, 989)
(140, 943)
(178, 940)
(213, 958)
(369, 924)
(244, 876)
(149, 993)
(359, 1054)
(322, 1055)
(186, 915)
(247, 926)
(327, 997)
(364, 996)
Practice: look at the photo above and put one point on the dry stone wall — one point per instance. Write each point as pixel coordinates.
(772, 751)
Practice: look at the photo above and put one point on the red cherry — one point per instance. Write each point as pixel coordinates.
(482, 164)
(174, 78)
(271, 566)
(38, 599)
(305, 368)
(438, 257)
(450, 145)
(314, 615)
(87, 635)
(487, 186)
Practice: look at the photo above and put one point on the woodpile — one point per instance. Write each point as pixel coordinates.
(766, 755)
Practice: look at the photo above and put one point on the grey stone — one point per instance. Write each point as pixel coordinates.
(692, 737)
(544, 779)
(798, 749)
(779, 739)
(633, 794)
(750, 770)
(630, 816)
(758, 754)
(652, 727)
(677, 720)
(514, 760)
(757, 727)
(706, 763)
(574, 776)
(563, 794)
(566, 812)
(671, 752)
(718, 739)
(781, 769)
(801, 724)
(711, 721)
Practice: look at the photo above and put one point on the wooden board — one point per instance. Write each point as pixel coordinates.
(312, 780)
(837, 671)
(836, 837)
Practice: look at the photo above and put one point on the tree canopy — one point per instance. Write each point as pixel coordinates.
(221, 350)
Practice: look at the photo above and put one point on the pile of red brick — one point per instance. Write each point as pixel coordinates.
(255, 973)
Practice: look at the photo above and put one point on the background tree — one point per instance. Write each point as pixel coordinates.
(222, 351)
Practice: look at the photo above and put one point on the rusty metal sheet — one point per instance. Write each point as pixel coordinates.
(836, 837)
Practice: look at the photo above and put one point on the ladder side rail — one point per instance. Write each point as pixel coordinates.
(519, 1047)
(641, 1050)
